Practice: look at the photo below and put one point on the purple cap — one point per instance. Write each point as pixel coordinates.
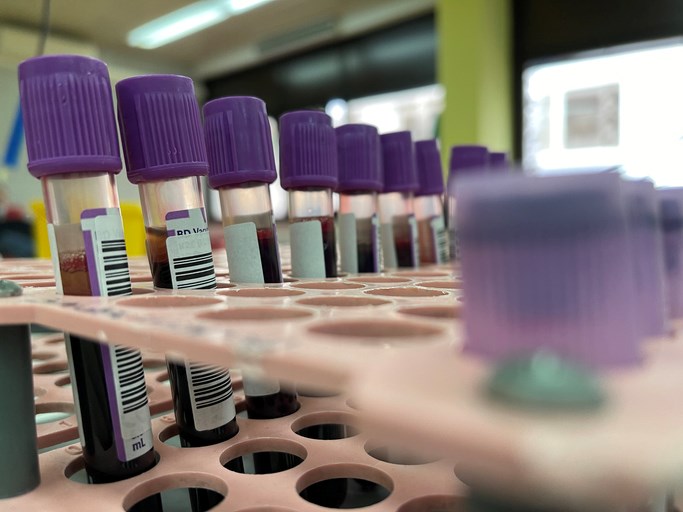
(360, 158)
(398, 161)
(160, 127)
(466, 158)
(671, 218)
(238, 141)
(543, 267)
(498, 160)
(646, 253)
(429, 171)
(68, 115)
(308, 150)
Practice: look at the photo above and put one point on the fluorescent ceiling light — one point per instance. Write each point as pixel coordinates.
(187, 20)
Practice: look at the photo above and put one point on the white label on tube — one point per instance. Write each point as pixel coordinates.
(128, 405)
(211, 395)
(189, 250)
(415, 242)
(105, 252)
(348, 243)
(54, 255)
(255, 385)
(440, 238)
(308, 257)
(376, 251)
(244, 254)
(388, 246)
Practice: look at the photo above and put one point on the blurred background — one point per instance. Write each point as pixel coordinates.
(557, 84)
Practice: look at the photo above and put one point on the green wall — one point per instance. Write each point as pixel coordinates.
(474, 65)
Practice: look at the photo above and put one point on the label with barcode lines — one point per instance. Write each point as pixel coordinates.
(105, 251)
(440, 238)
(128, 403)
(211, 395)
(189, 250)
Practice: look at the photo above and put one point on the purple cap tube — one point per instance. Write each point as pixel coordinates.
(308, 150)
(68, 114)
(429, 173)
(467, 158)
(161, 129)
(543, 267)
(360, 158)
(398, 160)
(498, 161)
(238, 141)
(671, 217)
(646, 249)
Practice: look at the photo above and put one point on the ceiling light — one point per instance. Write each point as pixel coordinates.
(187, 20)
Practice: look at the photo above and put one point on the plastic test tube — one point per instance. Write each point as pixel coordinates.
(671, 215)
(400, 244)
(308, 170)
(547, 266)
(165, 156)
(73, 148)
(360, 179)
(431, 226)
(647, 252)
(241, 167)
(463, 160)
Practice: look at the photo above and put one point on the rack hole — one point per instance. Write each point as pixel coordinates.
(223, 286)
(39, 357)
(422, 273)
(345, 486)
(51, 368)
(407, 291)
(379, 280)
(63, 382)
(328, 285)
(196, 492)
(141, 291)
(443, 312)
(377, 329)
(445, 285)
(169, 301)
(153, 365)
(436, 503)
(336, 301)
(326, 426)
(399, 455)
(256, 314)
(263, 456)
(261, 293)
(51, 412)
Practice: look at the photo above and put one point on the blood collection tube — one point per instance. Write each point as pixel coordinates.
(400, 245)
(73, 149)
(308, 170)
(671, 218)
(498, 161)
(463, 160)
(360, 179)
(165, 156)
(241, 167)
(431, 226)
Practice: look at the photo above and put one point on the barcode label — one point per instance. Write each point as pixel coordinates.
(243, 252)
(389, 255)
(189, 250)
(105, 251)
(128, 401)
(54, 255)
(440, 238)
(211, 395)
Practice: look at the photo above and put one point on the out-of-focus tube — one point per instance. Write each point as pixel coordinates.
(398, 225)
(360, 179)
(431, 226)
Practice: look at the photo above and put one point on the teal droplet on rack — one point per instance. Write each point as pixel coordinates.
(544, 381)
(9, 289)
